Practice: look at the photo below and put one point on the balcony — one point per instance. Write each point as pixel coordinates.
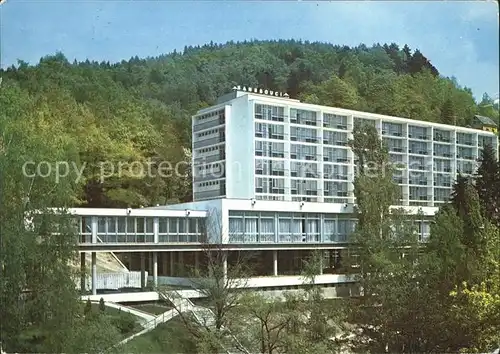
(442, 138)
(418, 182)
(418, 137)
(418, 152)
(392, 133)
(297, 238)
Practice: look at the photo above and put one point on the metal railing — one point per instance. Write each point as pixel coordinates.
(202, 320)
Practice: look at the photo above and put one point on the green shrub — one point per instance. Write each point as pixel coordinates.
(125, 323)
(102, 306)
(88, 308)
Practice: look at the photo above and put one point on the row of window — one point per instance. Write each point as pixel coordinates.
(338, 192)
(300, 187)
(310, 186)
(255, 227)
(212, 114)
(340, 139)
(439, 150)
(300, 152)
(218, 131)
(210, 183)
(209, 120)
(334, 121)
(139, 229)
(214, 170)
(211, 148)
(300, 116)
(422, 193)
(310, 152)
(272, 167)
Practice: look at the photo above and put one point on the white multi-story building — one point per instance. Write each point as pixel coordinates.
(253, 145)
(272, 177)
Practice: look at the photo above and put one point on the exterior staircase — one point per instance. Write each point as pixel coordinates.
(204, 316)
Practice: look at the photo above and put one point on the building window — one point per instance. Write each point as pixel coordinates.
(334, 121)
(442, 135)
(302, 134)
(465, 153)
(393, 129)
(417, 147)
(270, 185)
(269, 149)
(335, 155)
(300, 116)
(420, 133)
(394, 145)
(304, 169)
(270, 131)
(267, 112)
(335, 138)
(335, 172)
(442, 150)
(304, 187)
(465, 139)
(303, 152)
(364, 122)
(269, 167)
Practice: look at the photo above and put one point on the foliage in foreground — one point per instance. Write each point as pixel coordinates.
(138, 110)
(439, 297)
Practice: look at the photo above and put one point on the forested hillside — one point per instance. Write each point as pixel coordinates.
(140, 109)
(443, 296)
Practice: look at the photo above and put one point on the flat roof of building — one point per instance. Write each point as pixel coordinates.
(139, 212)
(282, 101)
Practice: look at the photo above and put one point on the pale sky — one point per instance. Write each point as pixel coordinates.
(460, 38)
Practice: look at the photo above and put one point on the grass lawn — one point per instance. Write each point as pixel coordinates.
(167, 338)
(126, 322)
(152, 308)
(109, 310)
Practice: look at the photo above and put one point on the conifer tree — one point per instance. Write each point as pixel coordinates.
(88, 308)
(102, 306)
(487, 183)
(382, 250)
(458, 195)
(448, 112)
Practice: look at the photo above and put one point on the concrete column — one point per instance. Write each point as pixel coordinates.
(94, 229)
(150, 263)
(143, 274)
(94, 273)
(275, 263)
(83, 272)
(172, 265)
(224, 267)
(155, 269)
(321, 262)
(156, 222)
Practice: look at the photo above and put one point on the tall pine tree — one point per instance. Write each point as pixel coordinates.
(448, 112)
(488, 184)
(458, 195)
(382, 251)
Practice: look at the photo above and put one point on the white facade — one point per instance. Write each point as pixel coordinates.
(285, 224)
(273, 148)
(274, 176)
